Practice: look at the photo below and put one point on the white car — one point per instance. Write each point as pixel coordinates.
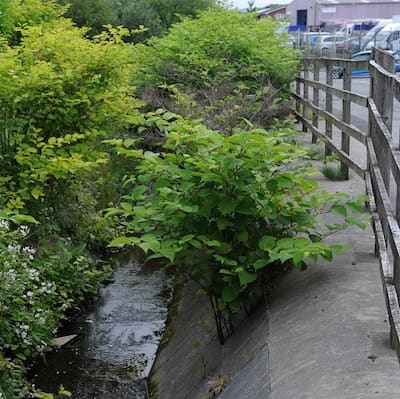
(328, 45)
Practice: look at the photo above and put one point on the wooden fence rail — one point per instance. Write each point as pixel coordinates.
(380, 143)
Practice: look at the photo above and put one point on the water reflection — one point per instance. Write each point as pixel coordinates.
(117, 338)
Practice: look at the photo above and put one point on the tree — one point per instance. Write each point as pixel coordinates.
(155, 15)
(235, 73)
(134, 14)
(94, 14)
(251, 7)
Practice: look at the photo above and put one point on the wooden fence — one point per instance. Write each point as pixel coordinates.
(379, 142)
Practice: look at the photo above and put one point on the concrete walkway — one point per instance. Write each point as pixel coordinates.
(329, 331)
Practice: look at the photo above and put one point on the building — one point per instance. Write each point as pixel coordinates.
(274, 12)
(315, 12)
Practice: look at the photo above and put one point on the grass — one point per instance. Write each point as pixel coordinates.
(332, 171)
(316, 152)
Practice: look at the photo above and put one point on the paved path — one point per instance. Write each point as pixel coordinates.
(329, 332)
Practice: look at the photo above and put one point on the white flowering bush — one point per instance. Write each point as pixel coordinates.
(26, 299)
(36, 290)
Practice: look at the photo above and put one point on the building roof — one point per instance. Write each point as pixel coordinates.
(271, 10)
(355, 2)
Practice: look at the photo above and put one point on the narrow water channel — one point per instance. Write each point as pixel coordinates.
(117, 338)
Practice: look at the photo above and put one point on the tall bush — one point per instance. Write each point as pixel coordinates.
(227, 212)
(60, 95)
(224, 66)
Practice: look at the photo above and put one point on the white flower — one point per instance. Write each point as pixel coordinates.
(24, 230)
(5, 225)
(13, 249)
(30, 251)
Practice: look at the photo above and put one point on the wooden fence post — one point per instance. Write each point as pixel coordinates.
(305, 92)
(328, 107)
(345, 144)
(315, 99)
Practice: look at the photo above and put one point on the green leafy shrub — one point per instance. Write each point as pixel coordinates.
(60, 94)
(12, 384)
(225, 67)
(227, 212)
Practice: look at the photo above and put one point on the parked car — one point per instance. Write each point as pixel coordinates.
(337, 71)
(310, 39)
(388, 38)
(371, 37)
(328, 45)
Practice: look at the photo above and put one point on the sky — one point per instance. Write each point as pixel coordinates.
(258, 3)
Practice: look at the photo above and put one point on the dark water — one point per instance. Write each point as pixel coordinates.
(117, 338)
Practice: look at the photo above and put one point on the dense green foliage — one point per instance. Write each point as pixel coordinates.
(60, 96)
(156, 16)
(227, 211)
(65, 94)
(15, 14)
(225, 208)
(237, 71)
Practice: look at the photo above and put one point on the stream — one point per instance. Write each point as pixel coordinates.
(117, 337)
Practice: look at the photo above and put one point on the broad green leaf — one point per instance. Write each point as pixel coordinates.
(340, 209)
(226, 206)
(138, 192)
(246, 278)
(225, 271)
(230, 293)
(260, 263)
(148, 237)
(122, 241)
(223, 223)
(18, 219)
(186, 238)
(168, 253)
(266, 242)
(195, 243)
(298, 257)
(327, 254)
(301, 242)
(336, 249)
(242, 236)
(285, 243)
(113, 212)
(153, 246)
(126, 206)
(36, 192)
(284, 256)
(333, 226)
(225, 261)
(315, 237)
(212, 243)
(189, 209)
(355, 221)
(358, 204)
